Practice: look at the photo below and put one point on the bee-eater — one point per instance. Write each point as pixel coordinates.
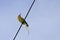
(22, 20)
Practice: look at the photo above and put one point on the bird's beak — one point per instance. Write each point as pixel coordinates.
(20, 14)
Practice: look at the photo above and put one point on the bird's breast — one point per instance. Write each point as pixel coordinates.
(20, 19)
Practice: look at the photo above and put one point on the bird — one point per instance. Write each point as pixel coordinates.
(23, 21)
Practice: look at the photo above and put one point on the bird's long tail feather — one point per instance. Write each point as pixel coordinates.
(27, 28)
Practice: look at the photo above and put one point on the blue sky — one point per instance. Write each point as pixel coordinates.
(43, 20)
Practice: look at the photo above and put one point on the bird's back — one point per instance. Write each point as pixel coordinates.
(20, 18)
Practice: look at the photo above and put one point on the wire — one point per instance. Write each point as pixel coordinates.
(17, 32)
(23, 21)
(29, 9)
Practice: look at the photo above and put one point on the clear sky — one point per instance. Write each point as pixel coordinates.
(43, 20)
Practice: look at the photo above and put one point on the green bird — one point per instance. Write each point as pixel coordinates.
(22, 20)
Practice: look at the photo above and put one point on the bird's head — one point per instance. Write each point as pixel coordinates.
(19, 16)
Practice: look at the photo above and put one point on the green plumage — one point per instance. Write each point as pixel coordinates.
(22, 20)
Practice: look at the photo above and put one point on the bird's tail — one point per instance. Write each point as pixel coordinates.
(27, 27)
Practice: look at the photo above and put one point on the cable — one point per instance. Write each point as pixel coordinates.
(17, 32)
(23, 21)
(29, 9)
